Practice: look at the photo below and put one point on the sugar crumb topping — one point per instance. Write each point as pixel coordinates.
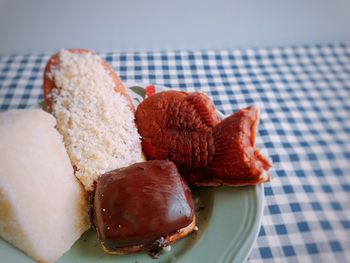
(96, 122)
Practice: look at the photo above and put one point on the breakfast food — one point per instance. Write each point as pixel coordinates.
(145, 205)
(186, 129)
(43, 207)
(94, 114)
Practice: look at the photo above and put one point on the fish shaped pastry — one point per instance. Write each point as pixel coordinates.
(186, 129)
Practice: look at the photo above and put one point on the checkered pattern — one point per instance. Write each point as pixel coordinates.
(304, 94)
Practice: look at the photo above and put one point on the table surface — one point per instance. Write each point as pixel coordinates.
(304, 95)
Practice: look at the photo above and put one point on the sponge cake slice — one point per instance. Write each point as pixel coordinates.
(43, 207)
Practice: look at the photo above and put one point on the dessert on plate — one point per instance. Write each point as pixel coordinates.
(94, 144)
(186, 129)
(146, 206)
(43, 207)
(94, 113)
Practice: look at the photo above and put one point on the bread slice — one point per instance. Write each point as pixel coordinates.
(43, 207)
(94, 114)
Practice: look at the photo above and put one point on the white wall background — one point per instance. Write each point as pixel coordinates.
(45, 26)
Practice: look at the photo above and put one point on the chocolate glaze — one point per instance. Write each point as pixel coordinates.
(141, 203)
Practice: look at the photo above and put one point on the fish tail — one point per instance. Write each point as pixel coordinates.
(236, 160)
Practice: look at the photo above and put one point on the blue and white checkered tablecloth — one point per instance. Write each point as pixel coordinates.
(304, 94)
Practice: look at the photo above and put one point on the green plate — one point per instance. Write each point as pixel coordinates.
(228, 219)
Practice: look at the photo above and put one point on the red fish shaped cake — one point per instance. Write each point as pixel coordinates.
(186, 129)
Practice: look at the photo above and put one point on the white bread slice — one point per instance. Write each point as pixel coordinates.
(43, 207)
